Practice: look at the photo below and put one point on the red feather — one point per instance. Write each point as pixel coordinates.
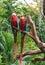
(13, 20)
(15, 47)
(22, 21)
(20, 58)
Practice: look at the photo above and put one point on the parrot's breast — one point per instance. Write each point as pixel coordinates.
(22, 24)
(13, 20)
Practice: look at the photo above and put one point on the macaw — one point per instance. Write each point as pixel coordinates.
(14, 23)
(22, 25)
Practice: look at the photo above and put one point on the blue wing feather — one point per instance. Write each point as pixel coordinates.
(25, 26)
(16, 23)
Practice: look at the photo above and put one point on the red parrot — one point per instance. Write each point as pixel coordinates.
(22, 25)
(13, 20)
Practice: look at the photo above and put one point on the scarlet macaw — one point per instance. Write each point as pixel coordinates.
(22, 25)
(14, 20)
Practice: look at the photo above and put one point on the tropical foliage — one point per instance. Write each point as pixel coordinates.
(6, 36)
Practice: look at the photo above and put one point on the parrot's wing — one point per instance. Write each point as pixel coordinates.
(17, 23)
(25, 26)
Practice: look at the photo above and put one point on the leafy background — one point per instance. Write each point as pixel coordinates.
(6, 36)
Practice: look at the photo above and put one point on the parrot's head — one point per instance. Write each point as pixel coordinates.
(14, 13)
(13, 19)
(22, 17)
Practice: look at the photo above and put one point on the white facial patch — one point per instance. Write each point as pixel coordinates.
(13, 13)
(22, 17)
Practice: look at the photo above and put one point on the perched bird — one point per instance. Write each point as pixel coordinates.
(22, 25)
(14, 23)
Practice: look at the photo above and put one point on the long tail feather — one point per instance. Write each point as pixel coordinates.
(15, 48)
(20, 58)
(22, 46)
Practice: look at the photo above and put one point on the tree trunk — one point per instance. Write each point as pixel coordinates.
(44, 7)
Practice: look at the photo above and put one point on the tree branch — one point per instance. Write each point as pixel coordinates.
(31, 52)
(40, 44)
(39, 59)
(29, 7)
